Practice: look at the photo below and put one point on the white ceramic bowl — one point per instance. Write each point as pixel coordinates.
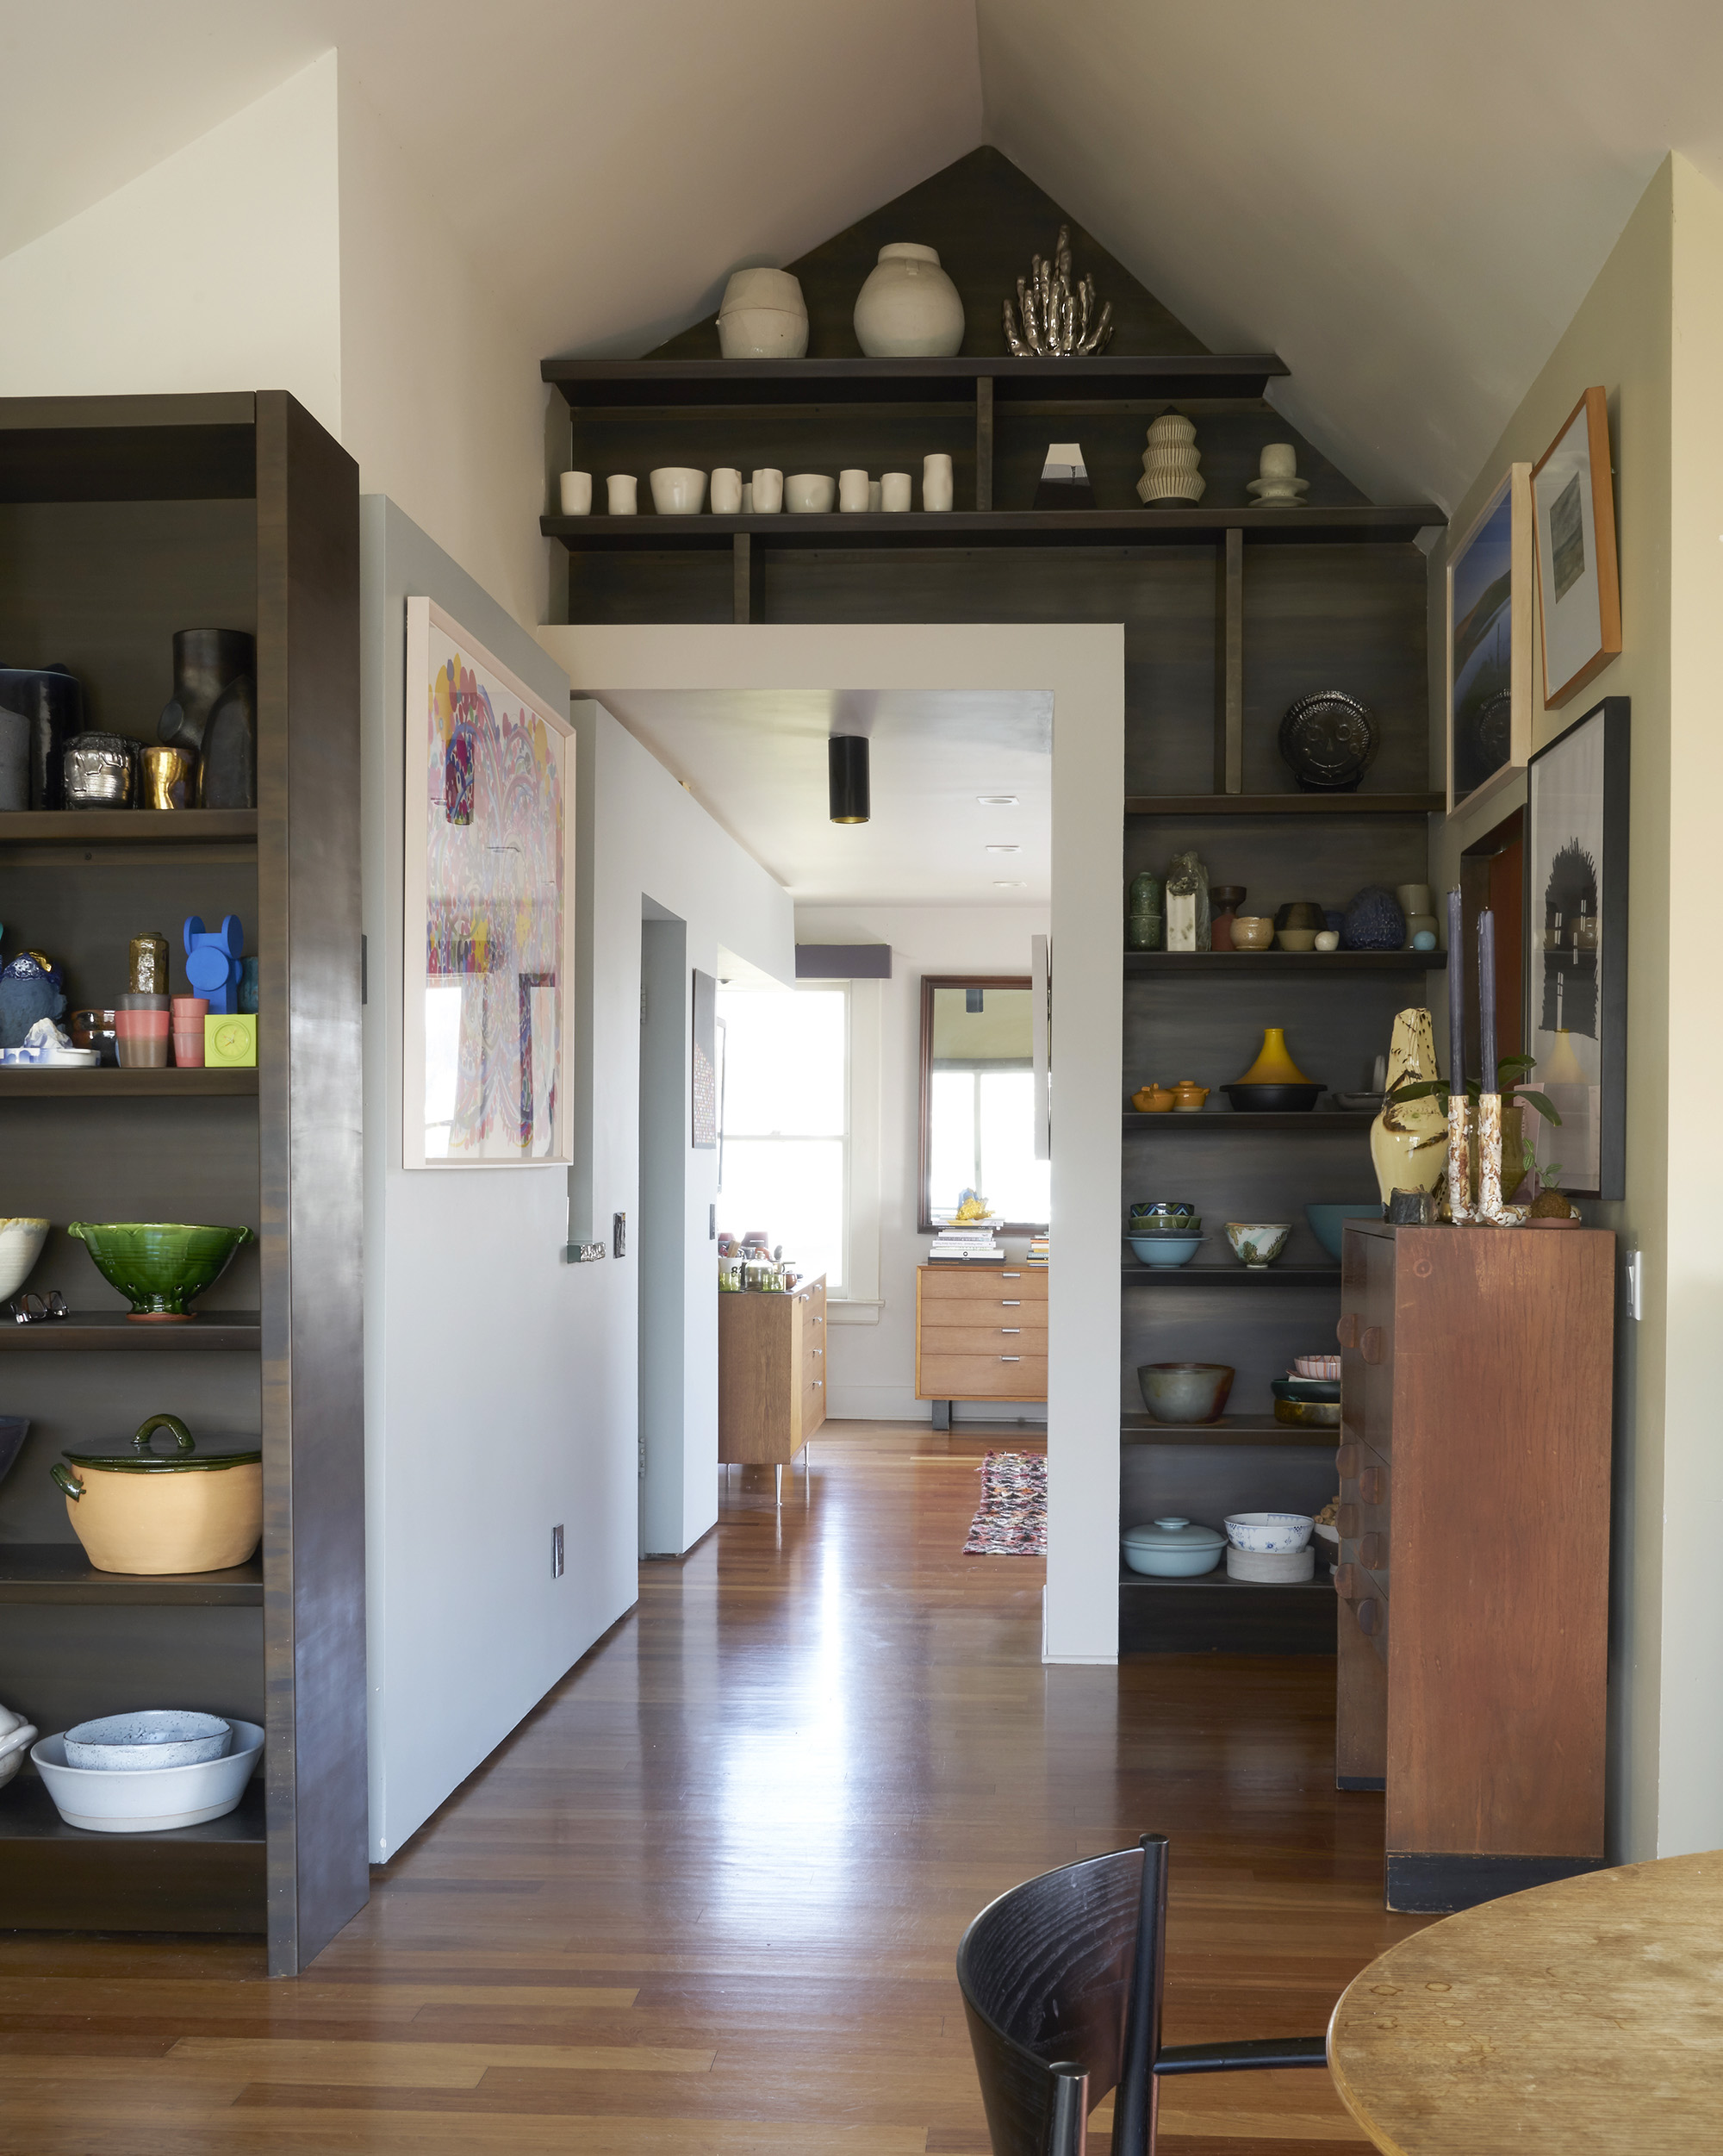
(1269, 1531)
(678, 490)
(762, 333)
(20, 1245)
(16, 1736)
(153, 1800)
(810, 493)
(157, 1736)
(1257, 1244)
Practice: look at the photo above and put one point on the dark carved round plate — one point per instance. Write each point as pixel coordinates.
(1329, 741)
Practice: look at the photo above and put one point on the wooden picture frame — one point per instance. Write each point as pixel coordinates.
(1579, 590)
(1575, 906)
(925, 1223)
(1487, 709)
(487, 920)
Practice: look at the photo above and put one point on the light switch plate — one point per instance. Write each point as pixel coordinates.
(618, 1235)
(1635, 1284)
(556, 1553)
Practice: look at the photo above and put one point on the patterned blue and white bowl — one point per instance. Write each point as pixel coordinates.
(1269, 1533)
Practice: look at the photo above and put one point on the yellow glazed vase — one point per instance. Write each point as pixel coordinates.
(1273, 1066)
(1409, 1142)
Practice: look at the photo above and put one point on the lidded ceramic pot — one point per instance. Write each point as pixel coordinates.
(140, 1511)
(1172, 1548)
(909, 308)
(763, 317)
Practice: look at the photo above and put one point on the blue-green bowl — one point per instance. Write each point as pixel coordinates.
(1327, 1223)
(1164, 1251)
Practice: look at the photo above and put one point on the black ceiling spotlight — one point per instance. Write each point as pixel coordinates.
(847, 776)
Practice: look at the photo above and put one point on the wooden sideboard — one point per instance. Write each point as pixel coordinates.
(771, 1375)
(1473, 1586)
(980, 1334)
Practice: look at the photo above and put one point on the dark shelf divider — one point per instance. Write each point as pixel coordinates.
(126, 826)
(112, 1331)
(102, 1083)
(1111, 377)
(1230, 1429)
(61, 1573)
(1187, 805)
(1231, 1275)
(1313, 1124)
(1276, 963)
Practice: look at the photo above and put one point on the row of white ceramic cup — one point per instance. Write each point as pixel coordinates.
(680, 490)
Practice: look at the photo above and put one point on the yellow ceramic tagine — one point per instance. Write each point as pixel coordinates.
(1152, 1099)
(1273, 1066)
(1408, 1140)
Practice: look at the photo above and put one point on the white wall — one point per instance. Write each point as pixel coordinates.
(501, 1381)
(871, 1348)
(1083, 667)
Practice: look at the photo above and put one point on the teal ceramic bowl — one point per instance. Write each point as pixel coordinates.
(1327, 1223)
(1164, 1251)
(159, 1266)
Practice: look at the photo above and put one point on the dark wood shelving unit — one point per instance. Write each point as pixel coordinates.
(1266, 1276)
(1275, 964)
(1108, 377)
(1220, 1615)
(1188, 805)
(1213, 1122)
(103, 1082)
(1230, 1429)
(115, 1332)
(199, 1878)
(58, 1573)
(75, 827)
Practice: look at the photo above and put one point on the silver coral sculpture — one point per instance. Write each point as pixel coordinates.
(1054, 318)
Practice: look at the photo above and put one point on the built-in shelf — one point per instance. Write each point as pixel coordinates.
(115, 1332)
(1216, 1614)
(1220, 1581)
(126, 826)
(1209, 1120)
(1232, 1275)
(28, 1815)
(1241, 963)
(1188, 805)
(1109, 378)
(61, 1573)
(1349, 524)
(1230, 1429)
(101, 1082)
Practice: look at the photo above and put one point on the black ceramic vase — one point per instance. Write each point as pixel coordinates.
(206, 662)
(227, 770)
(50, 701)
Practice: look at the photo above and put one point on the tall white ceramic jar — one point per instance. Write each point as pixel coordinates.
(909, 308)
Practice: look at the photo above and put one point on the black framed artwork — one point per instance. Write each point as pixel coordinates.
(1576, 947)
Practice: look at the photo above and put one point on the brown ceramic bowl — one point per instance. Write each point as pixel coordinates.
(1185, 1392)
(1252, 931)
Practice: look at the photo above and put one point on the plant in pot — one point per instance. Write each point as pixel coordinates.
(1517, 1160)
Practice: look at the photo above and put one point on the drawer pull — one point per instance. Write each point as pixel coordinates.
(1012, 1302)
(819, 1385)
(1346, 1461)
(1372, 1485)
(1370, 1617)
(1347, 1522)
(1347, 1331)
(818, 1350)
(1010, 1358)
(1010, 1328)
(1372, 1552)
(819, 1321)
(1011, 1276)
(1370, 1343)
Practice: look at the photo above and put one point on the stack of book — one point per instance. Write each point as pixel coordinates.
(1038, 1250)
(965, 1243)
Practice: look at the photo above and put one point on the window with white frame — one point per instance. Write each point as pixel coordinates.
(784, 1122)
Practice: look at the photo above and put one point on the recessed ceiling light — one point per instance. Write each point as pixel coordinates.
(1004, 848)
(998, 800)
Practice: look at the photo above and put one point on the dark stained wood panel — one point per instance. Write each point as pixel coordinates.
(61, 1573)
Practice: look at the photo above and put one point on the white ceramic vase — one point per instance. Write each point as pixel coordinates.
(1170, 462)
(20, 1245)
(763, 317)
(909, 308)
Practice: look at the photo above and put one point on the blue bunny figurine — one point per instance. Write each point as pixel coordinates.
(212, 963)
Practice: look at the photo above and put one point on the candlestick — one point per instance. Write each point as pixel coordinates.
(1486, 999)
(1456, 994)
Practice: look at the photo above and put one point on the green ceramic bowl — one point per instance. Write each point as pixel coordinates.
(160, 1265)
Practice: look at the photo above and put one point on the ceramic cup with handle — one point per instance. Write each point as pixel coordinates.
(576, 490)
(767, 491)
(852, 491)
(622, 494)
(726, 492)
(935, 482)
(894, 491)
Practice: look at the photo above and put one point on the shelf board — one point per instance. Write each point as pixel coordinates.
(1220, 1581)
(1233, 1275)
(61, 1573)
(1111, 377)
(1312, 1123)
(28, 1814)
(1187, 805)
(112, 1331)
(1278, 963)
(1230, 1429)
(126, 826)
(23, 1082)
(1353, 524)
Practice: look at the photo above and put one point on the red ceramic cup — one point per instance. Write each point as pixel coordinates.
(140, 1038)
(188, 1015)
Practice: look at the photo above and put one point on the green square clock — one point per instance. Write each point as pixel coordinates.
(229, 1043)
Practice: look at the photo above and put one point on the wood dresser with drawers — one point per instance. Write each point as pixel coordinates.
(771, 1375)
(980, 1334)
(1473, 1586)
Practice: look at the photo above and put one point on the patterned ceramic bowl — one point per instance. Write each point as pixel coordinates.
(1257, 1244)
(1269, 1531)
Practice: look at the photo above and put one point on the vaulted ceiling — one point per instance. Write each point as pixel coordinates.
(1407, 201)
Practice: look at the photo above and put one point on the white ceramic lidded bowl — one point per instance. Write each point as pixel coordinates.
(678, 490)
(763, 317)
(909, 308)
(154, 1737)
(1269, 1531)
(1172, 1548)
(20, 1245)
(155, 1800)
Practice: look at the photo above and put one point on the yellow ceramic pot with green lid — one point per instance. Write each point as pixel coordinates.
(141, 1511)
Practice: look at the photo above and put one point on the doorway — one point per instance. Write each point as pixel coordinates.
(660, 1231)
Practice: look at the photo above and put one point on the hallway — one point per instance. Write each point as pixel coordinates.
(706, 1897)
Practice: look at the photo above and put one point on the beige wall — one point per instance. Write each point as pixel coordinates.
(1650, 330)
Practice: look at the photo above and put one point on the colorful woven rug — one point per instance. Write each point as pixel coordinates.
(1011, 1521)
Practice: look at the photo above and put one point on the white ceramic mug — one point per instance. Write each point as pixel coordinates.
(935, 482)
(621, 491)
(852, 491)
(577, 493)
(894, 490)
(726, 492)
(769, 492)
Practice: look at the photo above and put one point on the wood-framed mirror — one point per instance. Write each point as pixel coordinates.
(978, 1101)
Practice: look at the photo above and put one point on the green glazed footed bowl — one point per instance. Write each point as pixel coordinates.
(160, 1265)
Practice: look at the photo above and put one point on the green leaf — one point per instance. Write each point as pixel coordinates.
(1545, 1106)
(1516, 1063)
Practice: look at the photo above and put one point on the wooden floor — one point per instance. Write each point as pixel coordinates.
(706, 1898)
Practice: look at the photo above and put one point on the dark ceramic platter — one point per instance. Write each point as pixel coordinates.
(1329, 741)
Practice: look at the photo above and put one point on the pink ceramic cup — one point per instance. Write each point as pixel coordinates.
(188, 1015)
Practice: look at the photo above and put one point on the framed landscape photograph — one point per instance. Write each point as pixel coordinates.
(1576, 948)
(487, 1016)
(1489, 708)
(1579, 593)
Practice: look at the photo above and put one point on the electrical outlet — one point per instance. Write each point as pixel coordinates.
(618, 1235)
(1636, 1284)
(556, 1553)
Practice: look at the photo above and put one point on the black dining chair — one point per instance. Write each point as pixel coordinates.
(1061, 1980)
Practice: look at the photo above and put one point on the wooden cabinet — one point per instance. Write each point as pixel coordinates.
(981, 1332)
(1473, 1584)
(771, 1375)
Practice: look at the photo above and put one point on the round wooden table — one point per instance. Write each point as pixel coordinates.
(1585, 2015)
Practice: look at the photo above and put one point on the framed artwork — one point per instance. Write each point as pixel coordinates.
(1489, 572)
(1579, 594)
(487, 1018)
(1576, 948)
(703, 1090)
